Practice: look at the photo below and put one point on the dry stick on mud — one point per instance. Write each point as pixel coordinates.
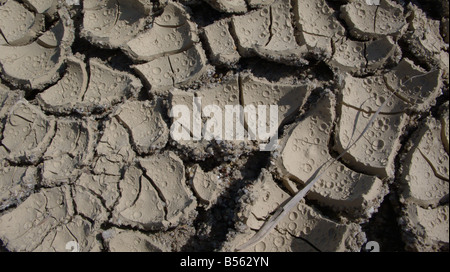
(284, 210)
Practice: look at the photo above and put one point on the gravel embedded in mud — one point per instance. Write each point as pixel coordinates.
(91, 94)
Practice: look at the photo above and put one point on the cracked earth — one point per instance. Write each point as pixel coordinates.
(86, 155)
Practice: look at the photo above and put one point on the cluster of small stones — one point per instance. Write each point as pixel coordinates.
(85, 147)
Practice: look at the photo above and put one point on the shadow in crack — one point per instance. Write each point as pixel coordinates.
(212, 225)
(2, 247)
(300, 244)
(203, 14)
(383, 228)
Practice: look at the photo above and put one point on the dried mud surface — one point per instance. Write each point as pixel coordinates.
(87, 90)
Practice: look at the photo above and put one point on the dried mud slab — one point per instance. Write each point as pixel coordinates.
(137, 194)
(172, 33)
(226, 94)
(186, 99)
(413, 84)
(212, 97)
(302, 224)
(75, 138)
(361, 98)
(37, 63)
(68, 91)
(425, 168)
(104, 187)
(78, 230)
(114, 150)
(259, 3)
(304, 152)
(108, 86)
(60, 170)
(222, 48)
(119, 240)
(433, 150)
(35, 129)
(89, 205)
(368, 94)
(160, 185)
(269, 33)
(372, 21)
(178, 70)
(364, 57)
(282, 46)
(19, 26)
(167, 172)
(147, 127)
(424, 39)
(175, 57)
(349, 56)
(381, 53)
(424, 189)
(274, 242)
(251, 30)
(47, 7)
(83, 90)
(162, 40)
(72, 147)
(188, 66)
(27, 226)
(265, 197)
(376, 151)
(426, 229)
(199, 149)
(8, 99)
(228, 6)
(317, 26)
(112, 23)
(260, 92)
(205, 185)
(16, 183)
(157, 75)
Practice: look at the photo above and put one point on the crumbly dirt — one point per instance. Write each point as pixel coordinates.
(90, 95)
